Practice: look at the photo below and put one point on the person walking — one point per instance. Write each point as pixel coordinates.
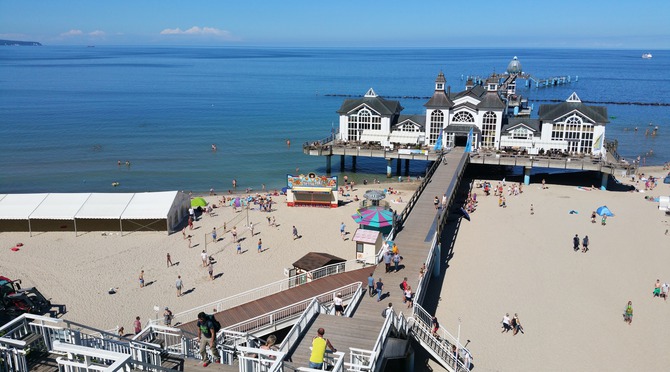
(517, 324)
(207, 335)
(337, 301)
(396, 261)
(169, 260)
(210, 270)
(204, 258)
(603, 221)
(141, 278)
(435, 325)
(178, 284)
(260, 245)
(233, 232)
(436, 203)
(190, 223)
(387, 261)
(342, 228)
(379, 286)
(214, 235)
(167, 317)
(137, 325)
(575, 243)
(319, 345)
(388, 311)
(507, 323)
(371, 285)
(585, 243)
(593, 217)
(295, 233)
(628, 313)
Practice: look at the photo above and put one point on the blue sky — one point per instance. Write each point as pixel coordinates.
(640, 24)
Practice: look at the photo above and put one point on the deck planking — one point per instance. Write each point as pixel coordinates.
(282, 299)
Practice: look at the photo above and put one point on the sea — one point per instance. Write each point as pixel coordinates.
(70, 114)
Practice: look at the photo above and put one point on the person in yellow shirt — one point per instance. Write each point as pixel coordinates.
(319, 345)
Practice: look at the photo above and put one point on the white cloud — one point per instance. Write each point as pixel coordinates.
(96, 33)
(72, 33)
(195, 30)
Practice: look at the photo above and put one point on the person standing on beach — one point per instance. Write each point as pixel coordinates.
(628, 313)
(239, 248)
(260, 245)
(210, 270)
(657, 288)
(664, 291)
(141, 279)
(204, 258)
(371, 285)
(506, 322)
(295, 233)
(251, 228)
(191, 212)
(190, 223)
(575, 243)
(593, 217)
(169, 260)
(585, 243)
(214, 234)
(179, 284)
(137, 325)
(342, 228)
(233, 232)
(517, 325)
(603, 221)
(379, 287)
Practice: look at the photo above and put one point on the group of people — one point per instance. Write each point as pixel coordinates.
(661, 290)
(584, 243)
(511, 324)
(391, 255)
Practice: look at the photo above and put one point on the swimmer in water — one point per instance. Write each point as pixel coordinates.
(213, 147)
(288, 143)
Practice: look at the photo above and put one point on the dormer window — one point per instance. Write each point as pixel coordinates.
(439, 86)
(492, 87)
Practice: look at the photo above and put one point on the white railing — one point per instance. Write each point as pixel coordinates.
(423, 281)
(336, 360)
(81, 358)
(366, 360)
(300, 326)
(355, 299)
(441, 345)
(266, 290)
(260, 360)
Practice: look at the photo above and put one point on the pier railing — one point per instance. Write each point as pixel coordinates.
(419, 190)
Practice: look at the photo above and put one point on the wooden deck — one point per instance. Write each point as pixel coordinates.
(414, 242)
(276, 301)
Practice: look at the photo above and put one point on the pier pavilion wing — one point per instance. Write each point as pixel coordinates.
(573, 126)
(371, 113)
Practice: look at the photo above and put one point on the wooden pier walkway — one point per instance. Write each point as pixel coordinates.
(282, 299)
(414, 242)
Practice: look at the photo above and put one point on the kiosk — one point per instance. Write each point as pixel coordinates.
(368, 243)
(311, 190)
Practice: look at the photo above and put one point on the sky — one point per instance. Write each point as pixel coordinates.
(607, 24)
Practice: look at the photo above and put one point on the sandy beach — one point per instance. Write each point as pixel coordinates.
(570, 303)
(79, 271)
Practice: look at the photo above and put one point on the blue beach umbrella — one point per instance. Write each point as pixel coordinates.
(604, 211)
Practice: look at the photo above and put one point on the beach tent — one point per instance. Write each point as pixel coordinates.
(666, 179)
(63, 211)
(664, 203)
(604, 211)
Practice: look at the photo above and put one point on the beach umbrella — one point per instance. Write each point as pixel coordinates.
(198, 202)
(374, 217)
(237, 202)
(604, 211)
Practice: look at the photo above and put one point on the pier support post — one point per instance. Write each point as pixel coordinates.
(341, 162)
(406, 167)
(353, 163)
(603, 182)
(436, 260)
(526, 175)
(329, 161)
(398, 166)
(389, 171)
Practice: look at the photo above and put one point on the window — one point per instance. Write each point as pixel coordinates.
(363, 120)
(489, 130)
(436, 125)
(409, 128)
(521, 133)
(464, 117)
(578, 134)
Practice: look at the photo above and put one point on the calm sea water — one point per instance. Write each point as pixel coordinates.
(68, 114)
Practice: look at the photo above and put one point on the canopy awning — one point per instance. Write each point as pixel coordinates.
(312, 189)
(19, 206)
(104, 206)
(404, 137)
(150, 205)
(59, 206)
(373, 136)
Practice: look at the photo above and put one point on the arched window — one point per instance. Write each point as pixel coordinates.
(463, 117)
(489, 130)
(436, 125)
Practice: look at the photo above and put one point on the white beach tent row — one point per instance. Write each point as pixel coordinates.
(171, 206)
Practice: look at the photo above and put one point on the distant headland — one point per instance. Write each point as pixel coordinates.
(20, 43)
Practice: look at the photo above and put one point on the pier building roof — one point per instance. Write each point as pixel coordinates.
(514, 122)
(551, 112)
(491, 100)
(374, 102)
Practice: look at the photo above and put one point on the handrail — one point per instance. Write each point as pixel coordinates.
(301, 324)
(441, 346)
